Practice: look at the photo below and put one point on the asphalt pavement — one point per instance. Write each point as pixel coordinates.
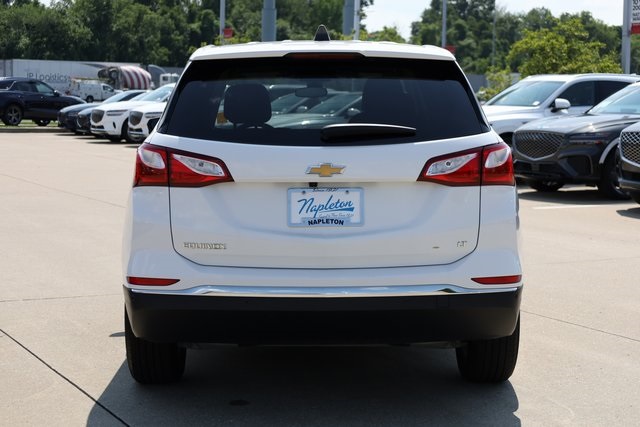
(62, 355)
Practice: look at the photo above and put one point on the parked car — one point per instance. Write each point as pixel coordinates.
(143, 119)
(335, 109)
(68, 116)
(629, 167)
(24, 98)
(540, 96)
(91, 90)
(296, 103)
(552, 152)
(112, 121)
(400, 228)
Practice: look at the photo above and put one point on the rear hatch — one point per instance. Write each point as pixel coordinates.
(338, 193)
(374, 214)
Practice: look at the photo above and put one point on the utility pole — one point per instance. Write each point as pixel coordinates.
(626, 37)
(493, 38)
(444, 23)
(223, 8)
(348, 17)
(269, 21)
(356, 20)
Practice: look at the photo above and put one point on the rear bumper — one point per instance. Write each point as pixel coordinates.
(322, 320)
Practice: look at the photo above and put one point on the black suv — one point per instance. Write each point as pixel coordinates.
(550, 153)
(24, 98)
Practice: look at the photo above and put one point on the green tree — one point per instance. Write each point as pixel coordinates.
(564, 49)
(390, 34)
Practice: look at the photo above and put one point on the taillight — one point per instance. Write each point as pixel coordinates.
(497, 165)
(150, 281)
(490, 165)
(160, 166)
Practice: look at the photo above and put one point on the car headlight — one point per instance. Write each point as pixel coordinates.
(592, 138)
(116, 112)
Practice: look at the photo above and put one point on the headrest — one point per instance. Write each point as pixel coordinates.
(248, 104)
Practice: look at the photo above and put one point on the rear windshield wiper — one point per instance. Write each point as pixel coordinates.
(352, 131)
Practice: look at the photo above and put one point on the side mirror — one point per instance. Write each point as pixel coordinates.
(56, 93)
(352, 112)
(560, 104)
(302, 109)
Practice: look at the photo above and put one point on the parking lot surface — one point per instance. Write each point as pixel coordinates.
(62, 356)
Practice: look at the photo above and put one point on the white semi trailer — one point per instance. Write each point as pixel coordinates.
(59, 74)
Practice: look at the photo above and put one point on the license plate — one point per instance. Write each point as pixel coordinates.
(325, 207)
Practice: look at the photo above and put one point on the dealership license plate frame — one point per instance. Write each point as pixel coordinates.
(346, 207)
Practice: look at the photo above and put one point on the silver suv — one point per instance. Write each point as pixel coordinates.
(540, 96)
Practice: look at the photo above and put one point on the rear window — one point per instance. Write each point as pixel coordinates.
(290, 100)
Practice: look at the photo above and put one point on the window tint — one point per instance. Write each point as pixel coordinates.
(43, 88)
(625, 101)
(23, 86)
(606, 89)
(230, 100)
(580, 94)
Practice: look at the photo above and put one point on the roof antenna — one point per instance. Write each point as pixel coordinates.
(322, 35)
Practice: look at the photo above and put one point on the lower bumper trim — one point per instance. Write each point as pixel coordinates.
(327, 320)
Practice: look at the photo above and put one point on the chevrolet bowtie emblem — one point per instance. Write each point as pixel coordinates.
(325, 170)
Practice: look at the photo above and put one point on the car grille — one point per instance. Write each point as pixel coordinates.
(630, 146)
(537, 145)
(83, 121)
(97, 115)
(134, 118)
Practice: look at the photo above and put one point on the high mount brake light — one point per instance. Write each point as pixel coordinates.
(489, 165)
(158, 166)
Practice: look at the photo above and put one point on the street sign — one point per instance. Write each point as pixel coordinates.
(635, 17)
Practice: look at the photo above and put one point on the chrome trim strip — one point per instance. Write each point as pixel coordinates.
(325, 292)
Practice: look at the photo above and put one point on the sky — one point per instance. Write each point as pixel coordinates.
(401, 13)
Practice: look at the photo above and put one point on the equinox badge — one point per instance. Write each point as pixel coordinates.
(325, 170)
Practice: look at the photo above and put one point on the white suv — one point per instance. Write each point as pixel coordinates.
(398, 226)
(143, 119)
(112, 120)
(540, 96)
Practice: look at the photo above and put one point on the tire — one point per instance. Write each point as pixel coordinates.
(609, 186)
(153, 363)
(636, 197)
(489, 361)
(545, 186)
(42, 122)
(89, 99)
(12, 115)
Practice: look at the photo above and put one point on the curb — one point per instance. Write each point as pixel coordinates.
(30, 129)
